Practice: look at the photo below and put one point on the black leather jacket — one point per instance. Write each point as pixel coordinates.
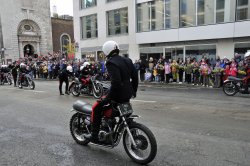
(124, 78)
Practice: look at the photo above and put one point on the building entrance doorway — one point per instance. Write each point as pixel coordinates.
(28, 50)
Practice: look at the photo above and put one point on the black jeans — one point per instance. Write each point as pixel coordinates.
(14, 78)
(61, 80)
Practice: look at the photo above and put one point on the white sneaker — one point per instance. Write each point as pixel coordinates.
(180, 82)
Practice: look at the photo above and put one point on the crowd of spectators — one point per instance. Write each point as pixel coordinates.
(191, 71)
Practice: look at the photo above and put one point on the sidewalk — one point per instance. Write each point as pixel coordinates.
(150, 84)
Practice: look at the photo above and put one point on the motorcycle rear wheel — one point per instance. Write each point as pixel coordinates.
(144, 140)
(76, 132)
(230, 89)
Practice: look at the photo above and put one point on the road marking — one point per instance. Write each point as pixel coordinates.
(144, 101)
(28, 90)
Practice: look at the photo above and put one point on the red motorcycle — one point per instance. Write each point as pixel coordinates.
(86, 85)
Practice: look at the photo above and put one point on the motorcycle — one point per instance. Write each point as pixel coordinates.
(88, 86)
(118, 122)
(233, 85)
(27, 81)
(7, 78)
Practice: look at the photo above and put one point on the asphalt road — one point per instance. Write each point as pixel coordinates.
(193, 126)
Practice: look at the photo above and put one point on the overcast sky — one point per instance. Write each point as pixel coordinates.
(63, 6)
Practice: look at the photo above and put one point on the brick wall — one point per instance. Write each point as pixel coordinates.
(59, 27)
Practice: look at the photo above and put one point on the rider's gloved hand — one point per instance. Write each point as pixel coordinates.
(104, 100)
(134, 95)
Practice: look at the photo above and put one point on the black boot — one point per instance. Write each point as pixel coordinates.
(67, 93)
(245, 90)
(93, 137)
(61, 93)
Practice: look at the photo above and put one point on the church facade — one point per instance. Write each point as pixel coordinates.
(25, 29)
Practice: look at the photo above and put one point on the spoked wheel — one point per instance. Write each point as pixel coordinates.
(78, 128)
(75, 90)
(229, 89)
(146, 147)
(32, 85)
(99, 91)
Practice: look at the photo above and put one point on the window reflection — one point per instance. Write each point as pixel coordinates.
(117, 21)
(243, 7)
(89, 26)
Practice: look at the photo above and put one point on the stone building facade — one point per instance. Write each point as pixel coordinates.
(26, 28)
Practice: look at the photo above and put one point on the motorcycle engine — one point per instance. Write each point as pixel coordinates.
(85, 90)
(106, 132)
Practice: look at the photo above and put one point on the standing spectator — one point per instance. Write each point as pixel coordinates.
(188, 71)
(45, 71)
(233, 68)
(175, 70)
(160, 70)
(167, 67)
(151, 67)
(204, 73)
(142, 70)
(50, 70)
(226, 72)
(217, 75)
(181, 71)
(196, 73)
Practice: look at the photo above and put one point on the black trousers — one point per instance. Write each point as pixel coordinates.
(167, 78)
(142, 76)
(188, 78)
(61, 80)
(14, 78)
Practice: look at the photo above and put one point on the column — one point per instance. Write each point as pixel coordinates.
(38, 48)
(21, 49)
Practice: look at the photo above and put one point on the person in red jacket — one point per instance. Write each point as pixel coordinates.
(246, 79)
(226, 73)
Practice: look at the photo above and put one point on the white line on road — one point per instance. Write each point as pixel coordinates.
(36, 91)
(144, 101)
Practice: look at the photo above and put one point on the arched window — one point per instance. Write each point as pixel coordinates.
(65, 43)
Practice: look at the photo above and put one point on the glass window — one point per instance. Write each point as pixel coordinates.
(87, 3)
(150, 16)
(225, 11)
(202, 51)
(205, 12)
(143, 17)
(89, 26)
(243, 10)
(157, 15)
(117, 21)
(171, 14)
(187, 13)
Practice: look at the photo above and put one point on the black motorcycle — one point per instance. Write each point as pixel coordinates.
(7, 78)
(118, 123)
(233, 85)
(87, 86)
(27, 81)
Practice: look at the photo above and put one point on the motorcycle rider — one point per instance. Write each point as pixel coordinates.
(124, 84)
(65, 72)
(246, 80)
(22, 71)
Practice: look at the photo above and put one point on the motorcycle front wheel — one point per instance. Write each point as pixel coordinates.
(75, 90)
(230, 89)
(146, 146)
(78, 128)
(32, 85)
(99, 91)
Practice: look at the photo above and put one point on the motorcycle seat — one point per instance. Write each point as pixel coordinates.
(234, 78)
(82, 107)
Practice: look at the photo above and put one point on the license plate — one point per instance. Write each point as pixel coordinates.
(125, 108)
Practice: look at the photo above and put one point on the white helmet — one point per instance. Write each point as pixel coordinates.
(109, 46)
(22, 65)
(85, 64)
(70, 69)
(81, 68)
(247, 55)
